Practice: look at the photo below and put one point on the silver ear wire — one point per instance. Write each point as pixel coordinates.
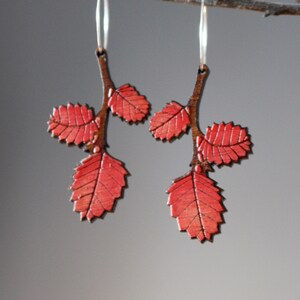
(203, 34)
(102, 23)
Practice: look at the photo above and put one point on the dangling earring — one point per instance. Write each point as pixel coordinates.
(194, 198)
(99, 179)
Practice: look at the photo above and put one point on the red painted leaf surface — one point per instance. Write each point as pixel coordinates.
(197, 204)
(73, 124)
(128, 104)
(173, 120)
(98, 182)
(224, 144)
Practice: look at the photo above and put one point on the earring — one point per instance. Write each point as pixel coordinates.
(99, 180)
(194, 199)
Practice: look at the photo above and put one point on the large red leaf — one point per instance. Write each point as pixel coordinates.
(98, 182)
(173, 120)
(224, 144)
(197, 204)
(73, 123)
(128, 104)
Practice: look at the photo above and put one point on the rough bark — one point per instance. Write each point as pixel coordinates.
(266, 7)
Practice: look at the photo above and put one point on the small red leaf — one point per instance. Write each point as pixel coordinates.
(98, 182)
(197, 204)
(173, 120)
(128, 104)
(223, 144)
(73, 124)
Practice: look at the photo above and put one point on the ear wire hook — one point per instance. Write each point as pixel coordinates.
(102, 21)
(203, 34)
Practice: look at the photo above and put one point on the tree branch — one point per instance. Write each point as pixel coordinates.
(266, 7)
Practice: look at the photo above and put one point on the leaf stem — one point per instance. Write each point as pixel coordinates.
(108, 89)
(194, 104)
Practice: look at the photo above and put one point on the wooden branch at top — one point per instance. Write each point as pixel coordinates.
(266, 7)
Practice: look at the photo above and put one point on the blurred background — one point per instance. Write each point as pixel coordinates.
(47, 59)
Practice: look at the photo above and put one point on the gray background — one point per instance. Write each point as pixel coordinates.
(47, 59)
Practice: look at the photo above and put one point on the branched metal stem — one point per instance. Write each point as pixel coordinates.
(194, 105)
(266, 7)
(108, 89)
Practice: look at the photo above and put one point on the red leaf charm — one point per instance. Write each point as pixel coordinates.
(196, 203)
(98, 182)
(128, 104)
(73, 124)
(224, 144)
(173, 120)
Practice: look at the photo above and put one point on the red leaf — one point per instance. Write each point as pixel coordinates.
(224, 144)
(73, 124)
(128, 104)
(173, 120)
(98, 182)
(197, 204)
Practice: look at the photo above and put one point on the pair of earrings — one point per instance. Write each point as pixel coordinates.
(99, 180)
